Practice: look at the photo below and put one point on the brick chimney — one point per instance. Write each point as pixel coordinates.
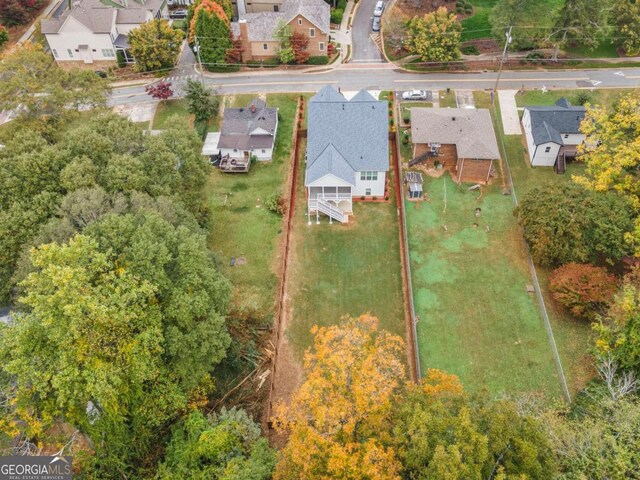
(244, 39)
(253, 108)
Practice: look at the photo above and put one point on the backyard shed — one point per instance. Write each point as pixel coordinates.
(414, 182)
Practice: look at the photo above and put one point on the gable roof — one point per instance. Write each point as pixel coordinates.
(262, 26)
(345, 137)
(548, 123)
(470, 130)
(253, 126)
(99, 16)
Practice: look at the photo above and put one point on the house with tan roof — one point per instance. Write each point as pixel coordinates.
(461, 140)
(257, 31)
(92, 31)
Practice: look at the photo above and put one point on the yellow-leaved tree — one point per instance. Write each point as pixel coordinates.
(612, 152)
(339, 421)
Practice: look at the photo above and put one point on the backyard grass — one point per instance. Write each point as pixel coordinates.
(338, 270)
(573, 338)
(478, 26)
(167, 109)
(242, 226)
(447, 99)
(601, 96)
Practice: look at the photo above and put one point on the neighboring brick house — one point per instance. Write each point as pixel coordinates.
(92, 31)
(257, 31)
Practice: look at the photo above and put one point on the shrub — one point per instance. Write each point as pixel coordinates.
(406, 116)
(336, 15)
(120, 60)
(342, 4)
(468, 8)
(318, 60)
(582, 97)
(470, 50)
(583, 289)
(276, 203)
(459, 9)
(459, 4)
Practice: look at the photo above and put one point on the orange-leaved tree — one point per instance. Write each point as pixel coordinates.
(339, 421)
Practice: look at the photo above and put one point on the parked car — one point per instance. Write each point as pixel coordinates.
(377, 12)
(181, 13)
(376, 24)
(414, 95)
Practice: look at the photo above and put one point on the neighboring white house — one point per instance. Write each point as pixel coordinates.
(92, 31)
(246, 132)
(553, 133)
(347, 151)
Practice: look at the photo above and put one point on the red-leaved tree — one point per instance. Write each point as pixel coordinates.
(234, 54)
(584, 289)
(160, 91)
(299, 43)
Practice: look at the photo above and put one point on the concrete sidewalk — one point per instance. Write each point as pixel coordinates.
(509, 112)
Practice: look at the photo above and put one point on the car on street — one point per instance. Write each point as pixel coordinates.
(181, 13)
(377, 11)
(414, 95)
(376, 24)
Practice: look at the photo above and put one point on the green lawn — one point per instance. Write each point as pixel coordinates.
(243, 227)
(469, 283)
(605, 50)
(338, 270)
(167, 109)
(478, 26)
(573, 338)
(601, 96)
(448, 99)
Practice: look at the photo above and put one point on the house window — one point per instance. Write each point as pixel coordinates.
(264, 151)
(265, 46)
(566, 135)
(107, 52)
(547, 149)
(312, 32)
(235, 149)
(321, 46)
(55, 53)
(368, 175)
(70, 53)
(367, 192)
(276, 8)
(299, 21)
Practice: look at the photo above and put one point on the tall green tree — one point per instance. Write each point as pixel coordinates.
(626, 16)
(155, 45)
(568, 223)
(531, 20)
(34, 88)
(224, 446)
(210, 27)
(202, 103)
(582, 22)
(435, 37)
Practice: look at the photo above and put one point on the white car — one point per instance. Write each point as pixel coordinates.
(377, 11)
(414, 95)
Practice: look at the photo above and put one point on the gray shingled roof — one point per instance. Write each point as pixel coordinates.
(470, 130)
(357, 131)
(262, 26)
(550, 122)
(239, 123)
(98, 16)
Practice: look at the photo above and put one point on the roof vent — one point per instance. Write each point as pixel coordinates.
(453, 118)
(253, 108)
(241, 109)
(343, 106)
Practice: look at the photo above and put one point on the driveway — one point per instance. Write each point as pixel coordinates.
(364, 49)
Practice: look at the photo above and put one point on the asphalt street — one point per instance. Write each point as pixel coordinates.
(388, 77)
(364, 50)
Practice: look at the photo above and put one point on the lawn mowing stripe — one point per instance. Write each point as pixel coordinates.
(534, 273)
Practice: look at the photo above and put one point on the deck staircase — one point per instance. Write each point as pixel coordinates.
(331, 211)
(423, 157)
(561, 163)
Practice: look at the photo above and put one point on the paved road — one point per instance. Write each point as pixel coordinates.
(387, 77)
(364, 50)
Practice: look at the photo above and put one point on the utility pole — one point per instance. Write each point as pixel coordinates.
(196, 47)
(504, 55)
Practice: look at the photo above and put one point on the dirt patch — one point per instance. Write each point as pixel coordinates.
(483, 45)
(413, 8)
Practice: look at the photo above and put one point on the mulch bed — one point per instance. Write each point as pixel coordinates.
(409, 9)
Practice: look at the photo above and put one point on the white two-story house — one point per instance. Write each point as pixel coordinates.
(92, 31)
(553, 133)
(347, 152)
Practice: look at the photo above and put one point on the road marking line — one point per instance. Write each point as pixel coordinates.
(322, 82)
(595, 82)
(471, 80)
(620, 74)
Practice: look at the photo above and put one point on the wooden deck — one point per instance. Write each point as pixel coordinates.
(234, 165)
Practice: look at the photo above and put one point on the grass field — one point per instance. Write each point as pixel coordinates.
(478, 26)
(604, 97)
(338, 270)
(476, 318)
(447, 99)
(242, 226)
(573, 338)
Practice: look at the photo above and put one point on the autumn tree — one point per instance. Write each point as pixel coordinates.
(225, 445)
(155, 45)
(13, 12)
(612, 152)
(159, 91)
(626, 16)
(583, 289)
(210, 33)
(34, 88)
(582, 22)
(234, 54)
(299, 43)
(568, 223)
(338, 421)
(435, 37)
